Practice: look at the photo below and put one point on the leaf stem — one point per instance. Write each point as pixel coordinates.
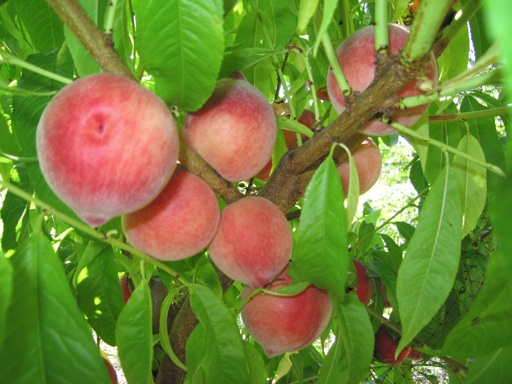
(94, 233)
(381, 27)
(492, 112)
(9, 58)
(452, 88)
(109, 17)
(409, 132)
(335, 65)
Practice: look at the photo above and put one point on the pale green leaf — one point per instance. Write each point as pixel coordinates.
(134, 336)
(350, 356)
(329, 7)
(225, 360)
(307, 9)
(430, 266)
(473, 182)
(321, 250)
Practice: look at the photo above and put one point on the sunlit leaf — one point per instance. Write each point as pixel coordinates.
(321, 251)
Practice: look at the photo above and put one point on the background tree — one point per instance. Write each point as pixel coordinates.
(445, 273)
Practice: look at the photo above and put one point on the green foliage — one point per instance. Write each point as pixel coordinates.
(446, 267)
(320, 252)
(45, 325)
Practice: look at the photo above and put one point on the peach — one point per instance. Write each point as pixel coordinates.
(356, 56)
(179, 223)
(125, 287)
(385, 347)
(384, 295)
(235, 130)
(106, 146)
(368, 162)
(286, 323)
(253, 243)
(364, 287)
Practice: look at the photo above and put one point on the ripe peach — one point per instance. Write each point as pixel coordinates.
(356, 56)
(179, 223)
(106, 146)
(384, 294)
(286, 323)
(385, 347)
(125, 287)
(234, 131)
(364, 288)
(253, 243)
(368, 162)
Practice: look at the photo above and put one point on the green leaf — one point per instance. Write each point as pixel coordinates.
(134, 336)
(6, 287)
(307, 9)
(487, 325)
(350, 356)
(224, 357)
(430, 266)
(181, 43)
(13, 207)
(454, 60)
(281, 21)
(242, 59)
(257, 367)
(84, 63)
(41, 23)
(320, 254)
(195, 355)
(484, 130)
(99, 295)
(473, 182)
(492, 368)
(449, 134)
(329, 8)
(406, 230)
(353, 190)
(47, 335)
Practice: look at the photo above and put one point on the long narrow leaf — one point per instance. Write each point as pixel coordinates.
(428, 270)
